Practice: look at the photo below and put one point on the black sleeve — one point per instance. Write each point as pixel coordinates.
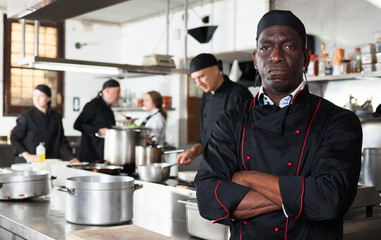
(84, 121)
(330, 189)
(18, 134)
(217, 196)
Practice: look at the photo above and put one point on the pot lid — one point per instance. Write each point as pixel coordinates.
(23, 176)
(106, 182)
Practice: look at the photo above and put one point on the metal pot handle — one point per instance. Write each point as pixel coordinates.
(137, 187)
(65, 189)
(99, 135)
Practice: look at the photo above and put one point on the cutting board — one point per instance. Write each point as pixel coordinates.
(116, 233)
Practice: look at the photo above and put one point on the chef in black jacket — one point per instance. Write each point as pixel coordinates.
(285, 165)
(96, 117)
(40, 124)
(220, 94)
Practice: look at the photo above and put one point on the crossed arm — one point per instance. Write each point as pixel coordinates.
(264, 196)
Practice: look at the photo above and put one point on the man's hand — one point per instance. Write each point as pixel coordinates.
(185, 158)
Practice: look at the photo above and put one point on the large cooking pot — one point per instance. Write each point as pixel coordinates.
(119, 148)
(146, 155)
(371, 167)
(99, 200)
(23, 184)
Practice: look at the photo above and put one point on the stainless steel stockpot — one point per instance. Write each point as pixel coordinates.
(148, 155)
(23, 184)
(371, 167)
(119, 148)
(99, 200)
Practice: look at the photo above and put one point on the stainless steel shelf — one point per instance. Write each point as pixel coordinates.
(350, 76)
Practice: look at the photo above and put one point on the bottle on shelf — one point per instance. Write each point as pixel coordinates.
(313, 67)
(325, 62)
(356, 61)
(40, 151)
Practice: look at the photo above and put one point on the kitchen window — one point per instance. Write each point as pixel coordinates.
(19, 82)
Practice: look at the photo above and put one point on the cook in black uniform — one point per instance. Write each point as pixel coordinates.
(96, 117)
(286, 164)
(40, 124)
(220, 94)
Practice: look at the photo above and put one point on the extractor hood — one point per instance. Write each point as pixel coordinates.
(55, 10)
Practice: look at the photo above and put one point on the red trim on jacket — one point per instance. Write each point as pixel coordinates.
(305, 139)
(243, 133)
(285, 232)
(215, 193)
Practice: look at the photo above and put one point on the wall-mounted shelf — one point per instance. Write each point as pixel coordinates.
(349, 76)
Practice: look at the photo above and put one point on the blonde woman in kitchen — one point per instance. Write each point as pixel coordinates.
(156, 121)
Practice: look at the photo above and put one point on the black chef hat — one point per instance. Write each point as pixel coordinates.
(110, 83)
(202, 61)
(282, 17)
(45, 89)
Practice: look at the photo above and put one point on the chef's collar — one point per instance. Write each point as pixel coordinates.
(265, 100)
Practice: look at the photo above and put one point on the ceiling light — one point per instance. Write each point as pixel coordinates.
(62, 64)
(71, 65)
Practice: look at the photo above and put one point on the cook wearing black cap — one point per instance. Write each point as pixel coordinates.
(286, 164)
(40, 125)
(96, 117)
(220, 94)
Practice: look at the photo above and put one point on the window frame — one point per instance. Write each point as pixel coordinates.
(15, 110)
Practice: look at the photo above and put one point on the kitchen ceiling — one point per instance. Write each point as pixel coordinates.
(130, 10)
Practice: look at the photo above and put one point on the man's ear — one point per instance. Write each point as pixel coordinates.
(254, 59)
(307, 57)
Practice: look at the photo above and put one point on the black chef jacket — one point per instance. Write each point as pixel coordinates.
(95, 115)
(33, 127)
(315, 148)
(226, 96)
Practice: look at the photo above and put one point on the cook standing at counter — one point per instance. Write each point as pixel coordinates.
(156, 121)
(220, 94)
(285, 165)
(96, 117)
(40, 124)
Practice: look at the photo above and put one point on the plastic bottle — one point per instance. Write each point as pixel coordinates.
(328, 65)
(356, 61)
(313, 67)
(322, 60)
(40, 151)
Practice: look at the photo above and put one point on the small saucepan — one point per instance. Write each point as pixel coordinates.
(155, 172)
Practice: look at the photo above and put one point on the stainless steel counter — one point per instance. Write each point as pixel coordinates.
(155, 208)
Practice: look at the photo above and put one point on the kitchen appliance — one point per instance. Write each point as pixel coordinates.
(371, 167)
(23, 184)
(200, 227)
(99, 200)
(155, 172)
(120, 143)
(159, 60)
